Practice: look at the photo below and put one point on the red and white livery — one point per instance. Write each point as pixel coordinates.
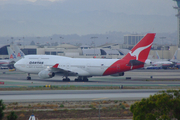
(47, 66)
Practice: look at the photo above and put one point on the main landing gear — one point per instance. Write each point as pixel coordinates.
(81, 79)
(28, 76)
(66, 79)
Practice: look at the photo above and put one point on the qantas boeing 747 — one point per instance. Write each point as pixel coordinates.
(47, 66)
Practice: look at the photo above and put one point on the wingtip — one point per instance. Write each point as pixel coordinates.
(55, 66)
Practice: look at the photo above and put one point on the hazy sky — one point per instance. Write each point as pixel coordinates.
(19, 16)
(160, 7)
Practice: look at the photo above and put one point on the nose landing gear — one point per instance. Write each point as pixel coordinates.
(28, 76)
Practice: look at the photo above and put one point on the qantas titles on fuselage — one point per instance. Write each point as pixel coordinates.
(36, 62)
(46, 66)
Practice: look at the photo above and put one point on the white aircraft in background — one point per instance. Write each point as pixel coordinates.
(8, 63)
(13, 56)
(174, 58)
(160, 63)
(158, 57)
(4, 64)
(19, 54)
(47, 66)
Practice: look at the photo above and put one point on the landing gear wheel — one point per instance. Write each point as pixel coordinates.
(81, 79)
(28, 78)
(85, 79)
(66, 79)
(76, 80)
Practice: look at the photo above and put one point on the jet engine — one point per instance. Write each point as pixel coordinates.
(46, 74)
(118, 74)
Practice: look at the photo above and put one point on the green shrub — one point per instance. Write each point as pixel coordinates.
(61, 105)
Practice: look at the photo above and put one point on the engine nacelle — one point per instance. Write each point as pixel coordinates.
(148, 62)
(46, 74)
(118, 74)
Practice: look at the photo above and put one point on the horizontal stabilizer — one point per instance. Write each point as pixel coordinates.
(135, 62)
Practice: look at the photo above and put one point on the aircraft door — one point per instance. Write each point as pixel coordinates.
(102, 66)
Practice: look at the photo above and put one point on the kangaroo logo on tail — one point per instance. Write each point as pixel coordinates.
(138, 51)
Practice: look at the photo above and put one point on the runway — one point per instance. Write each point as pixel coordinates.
(138, 78)
(76, 95)
(165, 79)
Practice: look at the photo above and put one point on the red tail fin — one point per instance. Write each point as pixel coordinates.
(141, 50)
(135, 58)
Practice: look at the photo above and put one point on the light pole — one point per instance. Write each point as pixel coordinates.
(7, 41)
(94, 44)
(12, 40)
(99, 111)
(162, 45)
(60, 39)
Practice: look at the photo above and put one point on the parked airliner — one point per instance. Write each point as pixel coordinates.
(12, 57)
(160, 63)
(47, 66)
(174, 58)
(9, 63)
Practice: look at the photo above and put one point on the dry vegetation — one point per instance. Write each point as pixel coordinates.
(61, 88)
(83, 88)
(84, 110)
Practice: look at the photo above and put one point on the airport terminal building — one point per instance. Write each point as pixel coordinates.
(106, 51)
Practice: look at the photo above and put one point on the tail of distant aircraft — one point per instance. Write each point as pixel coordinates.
(11, 54)
(175, 55)
(18, 52)
(15, 56)
(157, 55)
(136, 58)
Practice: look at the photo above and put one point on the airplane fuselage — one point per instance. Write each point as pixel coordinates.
(86, 67)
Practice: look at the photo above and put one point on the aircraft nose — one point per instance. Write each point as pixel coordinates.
(16, 65)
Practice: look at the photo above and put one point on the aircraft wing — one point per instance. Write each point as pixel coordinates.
(59, 70)
(69, 72)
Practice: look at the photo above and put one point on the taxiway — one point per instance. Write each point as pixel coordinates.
(166, 79)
